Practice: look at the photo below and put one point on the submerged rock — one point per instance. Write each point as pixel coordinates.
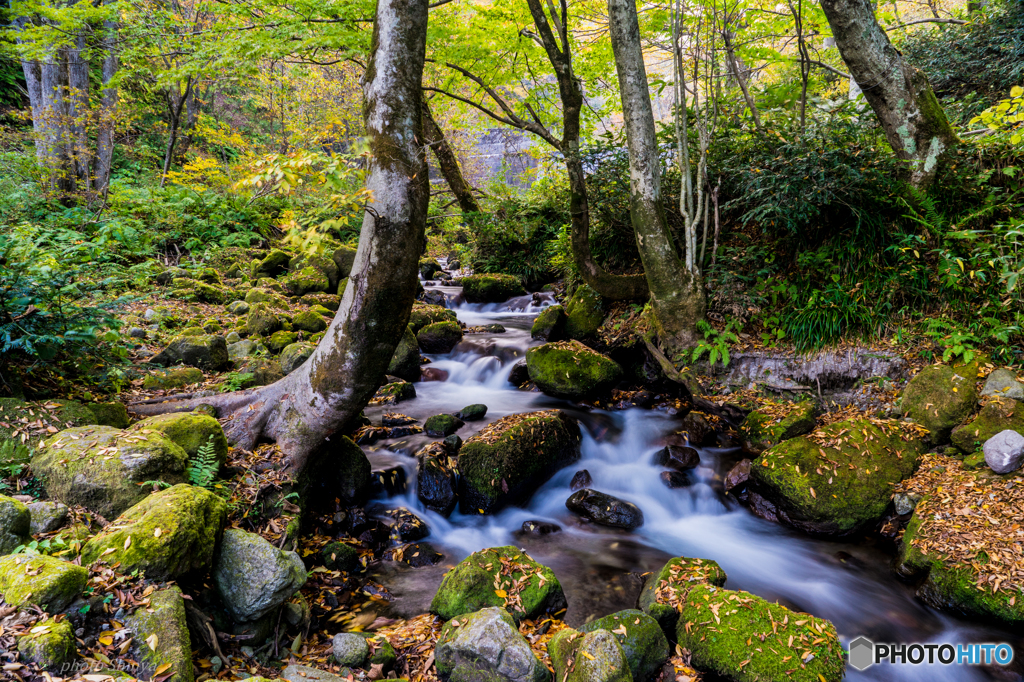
(675, 479)
(472, 413)
(605, 510)
(486, 645)
(407, 526)
(568, 369)
(675, 457)
(940, 397)
(540, 528)
(592, 657)
(491, 288)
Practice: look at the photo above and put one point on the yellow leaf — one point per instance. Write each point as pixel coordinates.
(814, 494)
(106, 641)
(128, 542)
(587, 655)
(1016, 91)
(162, 669)
(501, 593)
(152, 641)
(621, 630)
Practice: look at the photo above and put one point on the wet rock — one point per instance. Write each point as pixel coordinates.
(163, 623)
(169, 535)
(472, 585)
(416, 555)
(407, 526)
(581, 479)
(736, 479)
(394, 392)
(405, 363)
(593, 657)
(678, 458)
(486, 645)
(15, 522)
(849, 487)
(584, 313)
(349, 477)
(439, 337)
(762, 507)
(173, 378)
(605, 510)
(390, 481)
(433, 374)
(390, 419)
(45, 516)
(810, 651)
(1004, 452)
(506, 462)
(641, 639)
(435, 479)
(294, 354)
(540, 528)
(452, 444)
(424, 315)
(42, 580)
(1000, 414)
(442, 425)
(520, 374)
(761, 430)
(349, 649)
(472, 413)
(428, 267)
(491, 288)
(339, 556)
(51, 647)
(188, 430)
(549, 325)
(494, 328)
(568, 369)
(667, 588)
(434, 298)
(253, 577)
(203, 351)
(698, 429)
(940, 397)
(675, 479)
(1002, 383)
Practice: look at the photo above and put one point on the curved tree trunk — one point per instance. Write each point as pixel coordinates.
(900, 95)
(305, 409)
(448, 162)
(677, 294)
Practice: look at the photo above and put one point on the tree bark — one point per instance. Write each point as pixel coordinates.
(677, 294)
(304, 411)
(53, 107)
(448, 162)
(900, 95)
(78, 112)
(175, 104)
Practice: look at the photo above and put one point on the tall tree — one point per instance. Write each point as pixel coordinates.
(913, 120)
(448, 162)
(303, 411)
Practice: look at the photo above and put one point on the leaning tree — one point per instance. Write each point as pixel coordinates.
(303, 411)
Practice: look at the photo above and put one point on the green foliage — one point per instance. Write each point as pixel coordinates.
(202, 470)
(236, 381)
(1007, 114)
(716, 343)
(829, 315)
(47, 546)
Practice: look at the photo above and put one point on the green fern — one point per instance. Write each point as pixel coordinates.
(716, 343)
(13, 452)
(202, 470)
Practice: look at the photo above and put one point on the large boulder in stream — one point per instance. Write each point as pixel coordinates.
(423, 315)
(487, 646)
(503, 577)
(439, 337)
(605, 510)
(664, 591)
(839, 479)
(491, 288)
(568, 369)
(940, 397)
(510, 458)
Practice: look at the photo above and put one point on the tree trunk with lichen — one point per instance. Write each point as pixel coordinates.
(304, 411)
(677, 294)
(913, 120)
(448, 162)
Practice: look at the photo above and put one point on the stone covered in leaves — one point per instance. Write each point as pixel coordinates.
(50, 645)
(663, 592)
(161, 634)
(510, 458)
(641, 638)
(1000, 414)
(29, 423)
(40, 579)
(189, 431)
(504, 577)
(838, 479)
(15, 522)
(588, 657)
(169, 535)
(394, 392)
(719, 627)
(104, 469)
(204, 351)
(491, 288)
(773, 423)
(940, 397)
(568, 369)
(486, 646)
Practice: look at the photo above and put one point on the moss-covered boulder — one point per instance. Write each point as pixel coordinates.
(429, 267)
(344, 258)
(173, 378)
(169, 535)
(324, 265)
(442, 425)
(110, 414)
(253, 577)
(763, 428)
(595, 656)
(271, 298)
(405, 363)
(568, 369)
(394, 392)
(47, 516)
(439, 337)
(192, 290)
(305, 281)
(664, 591)
(189, 430)
(510, 458)
(550, 324)
(1000, 414)
(15, 521)
(30, 421)
(486, 646)
(584, 313)
(715, 625)
(204, 351)
(329, 302)
(280, 340)
(238, 307)
(105, 469)
(294, 354)
(422, 315)
(839, 479)
(50, 645)
(260, 372)
(940, 397)
(491, 288)
(472, 413)
(309, 321)
(39, 579)
(641, 638)
(504, 577)
(262, 320)
(273, 265)
(161, 635)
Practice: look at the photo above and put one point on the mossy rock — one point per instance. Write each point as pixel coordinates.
(442, 425)
(550, 324)
(330, 302)
(294, 354)
(339, 556)
(15, 522)
(309, 321)
(584, 313)
(39, 579)
(665, 590)
(1000, 414)
(491, 288)
(173, 378)
(422, 315)
(263, 371)
(105, 469)
(165, 620)
(342, 285)
(715, 625)
(305, 281)
(253, 577)
(439, 337)
(191, 290)
(940, 397)
(262, 320)
(204, 351)
(840, 488)
(326, 266)
(761, 430)
(568, 369)
(595, 656)
(405, 363)
(486, 646)
(270, 284)
(190, 431)
(641, 638)
(268, 296)
(273, 265)
(507, 461)
(62, 414)
(531, 589)
(110, 414)
(212, 326)
(279, 340)
(429, 267)
(190, 522)
(51, 649)
(344, 258)
(394, 392)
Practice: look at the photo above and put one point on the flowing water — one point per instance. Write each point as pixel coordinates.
(850, 584)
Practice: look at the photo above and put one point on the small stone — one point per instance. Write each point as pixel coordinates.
(452, 444)
(137, 333)
(349, 649)
(407, 527)
(232, 337)
(580, 480)
(442, 425)
(472, 413)
(1004, 452)
(540, 527)
(303, 673)
(904, 503)
(339, 556)
(605, 510)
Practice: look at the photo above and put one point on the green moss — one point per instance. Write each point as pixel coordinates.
(344, 258)
(394, 393)
(520, 454)
(173, 378)
(568, 369)
(262, 321)
(428, 267)
(442, 425)
(439, 337)
(278, 341)
(15, 521)
(164, 618)
(328, 302)
(940, 397)
(584, 313)
(591, 657)
(306, 280)
(262, 295)
(761, 430)
(51, 648)
(294, 354)
(472, 585)
(273, 265)
(309, 321)
(190, 522)
(716, 626)
(405, 363)
(110, 414)
(550, 324)
(842, 487)
(340, 557)
(422, 315)
(191, 290)
(666, 589)
(998, 415)
(67, 413)
(643, 643)
(189, 430)
(491, 288)
(42, 580)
